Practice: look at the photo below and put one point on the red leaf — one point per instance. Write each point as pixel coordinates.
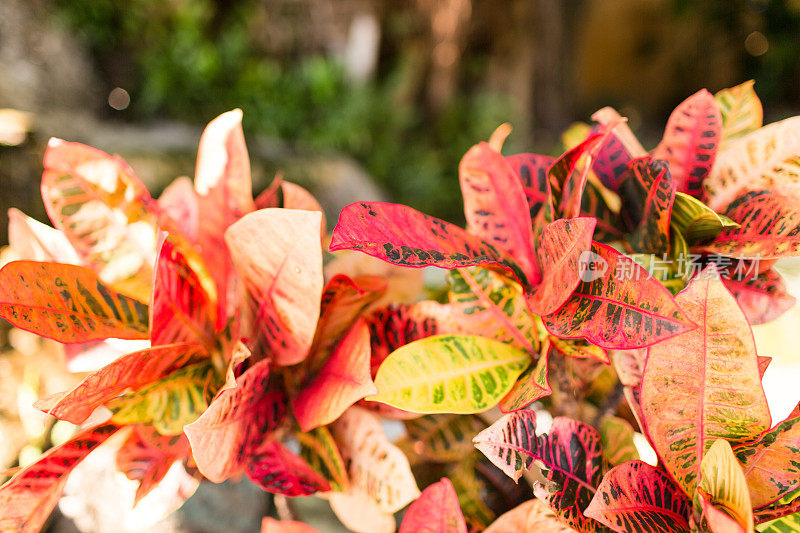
(763, 298)
(278, 256)
(343, 300)
(690, 141)
(128, 372)
(343, 379)
(146, 457)
(559, 250)
(180, 203)
(270, 525)
(763, 364)
(769, 227)
(28, 498)
(569, 173)
(531, 386)
(622, 308)
(228, 433)
(435, 511)
(35, 241)
(275, 469)
(635, 497)
(532, 172)
(610, 163)
(652, 233)
(181, 310)
(403, 236)
(704, 384)
(67, 303)
(397, 325)
(495, 206)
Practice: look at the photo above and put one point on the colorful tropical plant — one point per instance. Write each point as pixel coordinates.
(658, 262)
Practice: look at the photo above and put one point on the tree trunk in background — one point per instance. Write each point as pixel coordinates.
(553, 97)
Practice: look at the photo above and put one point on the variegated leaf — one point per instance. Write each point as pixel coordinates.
(181, 310)
(652, 232)
(531, 385)
(559, 251)
(786, 507)
(595, 203)
(33, 241)
(227, 434)
(28, 498)
(704, 384)
(495, 206)
(635, 497)
(723, 483)
(67, 303)
(621, 307)
(170, 403)
(696, 221)
(691, 140)
(763, 159)
(485, 301)
(762, 298)
(146, 457)
(617, 437)
(435, 511)
(510, 443)
(786, 524)
(579, 349)
(320, 451)
(740, 109)
(572, 457)
(532, 516)
(106, 213)
(397, 325)
(279, 259)
(444, 437)
(618, 149)
(569, 173)
(343, 300)
(769, 227)
(376, 466)
(132, 371)
(771, 462)
(403, 236)
(343, 379)
(275, 469)
(449, 374)
(532, 172)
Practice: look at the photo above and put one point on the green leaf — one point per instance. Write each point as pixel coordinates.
(445, 437)
(741, 110)
(696, 221)
(170, 403)
(449, 374)
(617, 437)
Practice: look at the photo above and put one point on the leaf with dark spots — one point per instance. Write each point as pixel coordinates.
(67, 303)
(277, 470)
(531, 169)
(403, 236)
(652, 232)
(762, 298)
(621, 307)
(690, 141)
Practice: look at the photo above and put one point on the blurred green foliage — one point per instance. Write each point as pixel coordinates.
(193, 59)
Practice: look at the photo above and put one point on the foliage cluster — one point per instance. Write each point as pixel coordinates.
(606, 254)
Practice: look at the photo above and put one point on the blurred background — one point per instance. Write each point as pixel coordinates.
(379, 96)
(354, 99)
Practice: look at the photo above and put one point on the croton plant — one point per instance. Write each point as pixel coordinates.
(607, 291)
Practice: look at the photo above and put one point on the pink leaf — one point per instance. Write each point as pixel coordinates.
(278, 256)
(227, 434)
(180, 203)
(435, 511)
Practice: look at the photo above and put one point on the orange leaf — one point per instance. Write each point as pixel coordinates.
(67, 303)
(343, 379)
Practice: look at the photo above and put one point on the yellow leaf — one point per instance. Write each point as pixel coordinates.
(449, 374)
(723, 481)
